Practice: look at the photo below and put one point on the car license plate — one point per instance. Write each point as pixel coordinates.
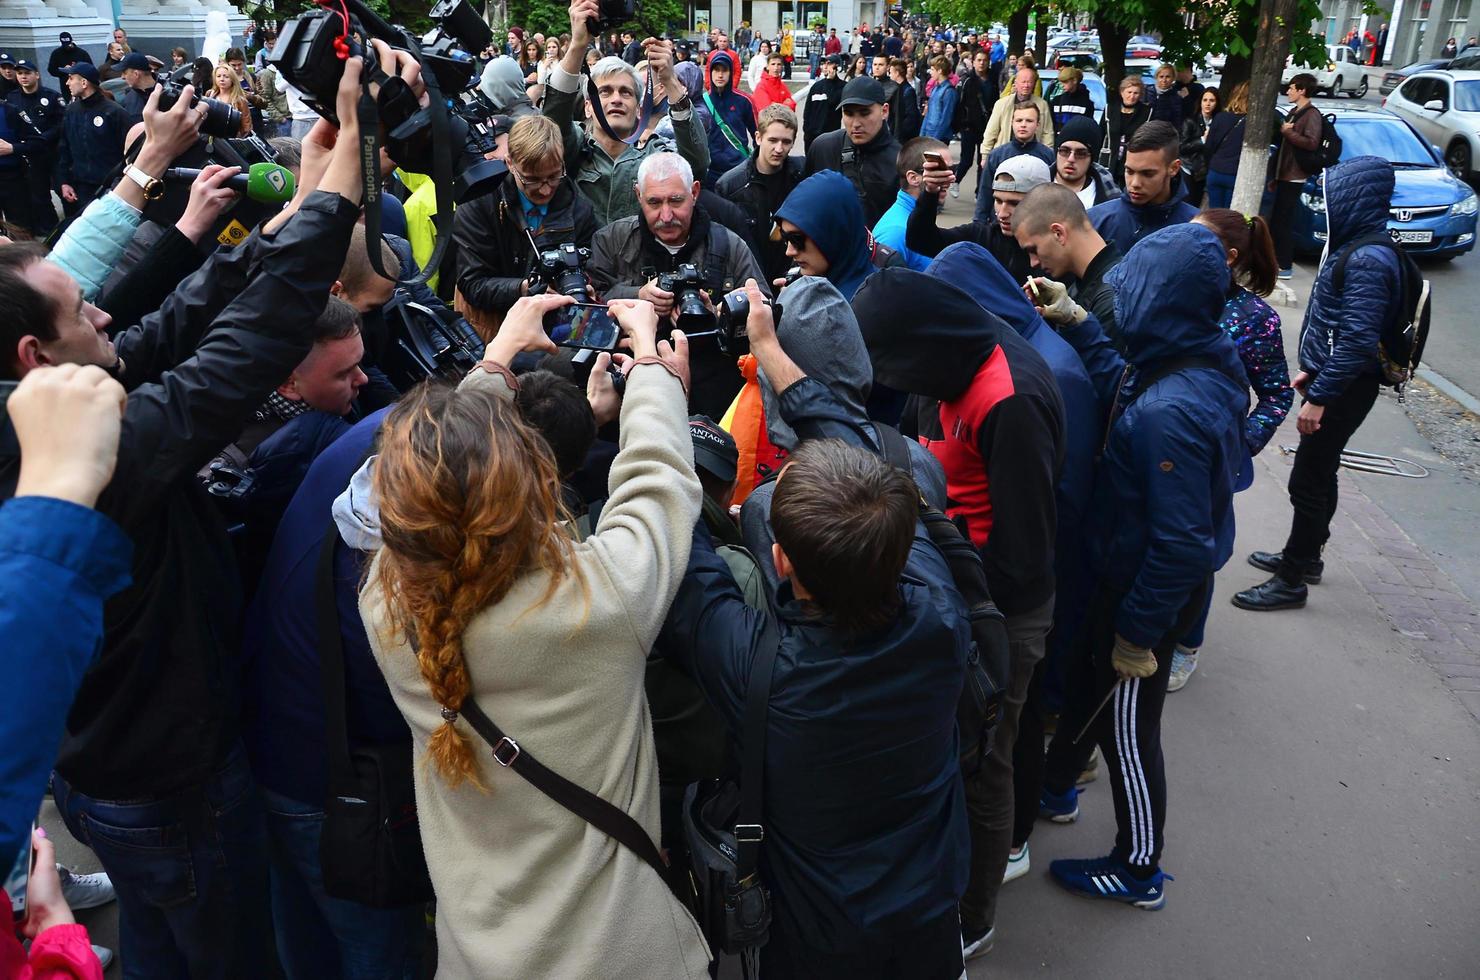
(1412, 237)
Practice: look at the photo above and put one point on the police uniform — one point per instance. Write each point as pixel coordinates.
(15, 196)
(91, 149)
(40, 122)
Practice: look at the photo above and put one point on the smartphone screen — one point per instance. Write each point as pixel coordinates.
(586, 325)
(18, 876)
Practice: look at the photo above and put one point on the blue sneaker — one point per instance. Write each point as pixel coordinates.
(1059, 807)
(1108, 878)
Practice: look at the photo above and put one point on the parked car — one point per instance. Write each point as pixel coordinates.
(1094, 83)
(1080, 58)
(1444, 106)
(1342, 74)
(1394, 78)
(1432, 213)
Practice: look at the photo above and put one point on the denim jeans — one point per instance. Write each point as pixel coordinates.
(319, 936)
(190, 872)
(1220, 189)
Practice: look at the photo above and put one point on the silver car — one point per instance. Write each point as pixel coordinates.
(1444, 106)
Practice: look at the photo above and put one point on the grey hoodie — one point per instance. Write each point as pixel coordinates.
(357, 513)
(503, 83)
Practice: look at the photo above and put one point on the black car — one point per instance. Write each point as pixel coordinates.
(1466, 60)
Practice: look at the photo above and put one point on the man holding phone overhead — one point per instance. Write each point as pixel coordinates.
(632, 259)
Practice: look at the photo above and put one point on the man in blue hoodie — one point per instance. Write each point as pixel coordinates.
(1339, 369)
(1160, 521)
(1154, 195)
(732, 133)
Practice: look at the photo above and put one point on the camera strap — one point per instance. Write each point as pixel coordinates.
(644, 116)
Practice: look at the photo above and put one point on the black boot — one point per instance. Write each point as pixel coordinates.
(1270, 562)
(1277, 593)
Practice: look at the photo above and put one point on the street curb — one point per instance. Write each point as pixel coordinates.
(1451, 390)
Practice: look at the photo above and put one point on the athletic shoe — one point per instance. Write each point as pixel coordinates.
(955, 190)
(1184, 662)
(1016, 866)
(1091, 769)
(975, 942)
(1272, 595)
(1059, 807)
(1270, 562)
(1108, 878)
(1287, 274)
(104, 955)
(85, 891)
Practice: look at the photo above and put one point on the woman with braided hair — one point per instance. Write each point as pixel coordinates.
(479, 593)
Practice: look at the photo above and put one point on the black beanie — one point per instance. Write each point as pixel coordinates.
(1080, 129)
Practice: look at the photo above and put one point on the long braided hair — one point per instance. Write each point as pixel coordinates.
(469, 503)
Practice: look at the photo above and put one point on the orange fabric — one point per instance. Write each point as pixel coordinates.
(746, 423)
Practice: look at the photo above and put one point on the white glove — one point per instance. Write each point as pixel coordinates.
(1053, 302)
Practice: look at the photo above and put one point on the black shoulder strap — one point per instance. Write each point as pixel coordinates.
(1169, 367)
(1338, 275)
(894, 446)
(749, 831)
(331, 664)
(716, 252)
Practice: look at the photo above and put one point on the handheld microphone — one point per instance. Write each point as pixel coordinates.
(267, 183)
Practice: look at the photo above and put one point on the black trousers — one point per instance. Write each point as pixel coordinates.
(1027, 756)
(971, 151)
(928, 952)
(43, 211)
(15, 201)
(1128, 730)
(1313, 483)
(1281, 218)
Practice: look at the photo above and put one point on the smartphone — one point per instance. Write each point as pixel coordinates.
(586, 326)
(1032, 288)
(936, 157)
(18, 877)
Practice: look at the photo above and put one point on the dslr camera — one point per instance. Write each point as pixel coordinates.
(686, 283)
(222, 121)
(612, 13)
(561, 270)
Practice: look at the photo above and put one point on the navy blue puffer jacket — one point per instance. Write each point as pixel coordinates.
(1338, 340)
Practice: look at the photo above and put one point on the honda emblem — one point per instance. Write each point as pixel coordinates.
(1405, 215)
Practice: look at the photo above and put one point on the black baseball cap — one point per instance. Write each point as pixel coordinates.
(86, 69)
(715, 451)
(863, 90)
(6, 59)
(24, 65)
(134, 59)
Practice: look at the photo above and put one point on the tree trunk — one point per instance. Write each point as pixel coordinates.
(1239, 65)
(1113, 39)
(1040, 37)
(1270, 51)
(1017, 32)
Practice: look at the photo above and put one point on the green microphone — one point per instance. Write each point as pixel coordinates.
(267, 183)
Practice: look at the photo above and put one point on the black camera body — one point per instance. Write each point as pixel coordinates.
(612, 13)
(237, 221)
(686, 284)
(730, 330)
(561, 270)
(222, 121)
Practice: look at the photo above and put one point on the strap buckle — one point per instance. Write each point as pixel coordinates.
(505, 743)
(749, 833)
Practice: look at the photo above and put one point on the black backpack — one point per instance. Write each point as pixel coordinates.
(1400, 346)
(1327, 151)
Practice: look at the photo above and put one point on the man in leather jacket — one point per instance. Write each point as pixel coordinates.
(864, 150)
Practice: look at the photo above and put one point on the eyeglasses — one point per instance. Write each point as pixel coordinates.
(1067, 152)
(796, 239)
(541, 184)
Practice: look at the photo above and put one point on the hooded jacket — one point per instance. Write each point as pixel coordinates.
(503, 83)
(824, 208)
(1123, 224)
(871, 168)
(1338, 338)
(1001, 415)
(1161, 518)
(771, 89)
(735, 111)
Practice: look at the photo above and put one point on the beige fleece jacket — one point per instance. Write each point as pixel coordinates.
(999, 127)
(525, 888)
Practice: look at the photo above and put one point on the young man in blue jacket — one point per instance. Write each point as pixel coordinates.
(1339, 371)
(865, 823)
(1154, 195)
(732, 136)
(1159, 523)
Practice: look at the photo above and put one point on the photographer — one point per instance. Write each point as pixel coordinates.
(872, 643)
(156, 717)
(604, 158)
(492, 603)
(536, 200)
(628, 256)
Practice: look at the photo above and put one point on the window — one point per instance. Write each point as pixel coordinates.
(1417, 89)
(1388, 138)
(1467, 96)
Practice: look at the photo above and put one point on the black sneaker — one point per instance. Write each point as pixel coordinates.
(1272, 595)
(1270, 562)
(975, 942)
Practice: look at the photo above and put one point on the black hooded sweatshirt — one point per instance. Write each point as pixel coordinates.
(1001, 415)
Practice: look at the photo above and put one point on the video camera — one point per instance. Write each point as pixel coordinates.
(560, 270)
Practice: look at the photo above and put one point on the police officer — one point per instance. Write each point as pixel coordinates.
(7, 75)
(140, 77)
(93, 130)
(15, 197)
(40, 113)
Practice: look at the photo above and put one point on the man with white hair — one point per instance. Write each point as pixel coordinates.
(604, 157)
(629, 255)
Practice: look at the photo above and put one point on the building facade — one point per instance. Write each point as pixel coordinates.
(31, 28)
(1417, 29)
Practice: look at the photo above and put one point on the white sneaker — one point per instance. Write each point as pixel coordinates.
(85, 891)
(1184, 662)
(1017, 866)
(955, 190)
(104, 955)
(1091, 769)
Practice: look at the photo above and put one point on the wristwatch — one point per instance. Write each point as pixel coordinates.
(152, 187)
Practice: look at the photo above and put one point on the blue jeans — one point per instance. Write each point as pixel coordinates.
(1220, 189)
(190, 872)
(321, 936)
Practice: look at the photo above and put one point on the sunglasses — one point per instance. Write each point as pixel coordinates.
(1065, 151)
(796, 239)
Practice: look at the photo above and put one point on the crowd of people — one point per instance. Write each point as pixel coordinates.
(611, 659)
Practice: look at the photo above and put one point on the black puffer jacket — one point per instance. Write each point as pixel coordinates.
(493, 250)
(158, 710)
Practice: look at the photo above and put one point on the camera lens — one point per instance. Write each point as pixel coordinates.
(222, 121)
